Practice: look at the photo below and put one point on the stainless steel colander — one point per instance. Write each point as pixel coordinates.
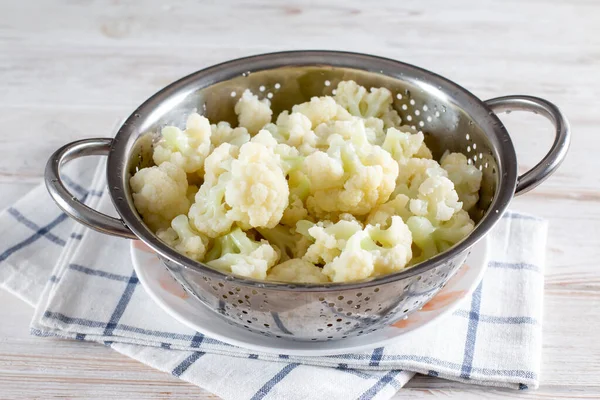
(450, 117)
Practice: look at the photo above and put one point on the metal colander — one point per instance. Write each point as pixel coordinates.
(450, 117)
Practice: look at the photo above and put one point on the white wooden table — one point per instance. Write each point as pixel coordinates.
(71, 68)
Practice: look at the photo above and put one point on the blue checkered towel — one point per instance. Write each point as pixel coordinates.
(83, 287)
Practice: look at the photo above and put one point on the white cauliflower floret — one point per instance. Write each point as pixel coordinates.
(184, 239)
(294, 130)
(186, 149)
(436, 200)
(237, 253)
(209, 213)
(289, 243)
(250, 190)
(430, 239)
(353, 129)
(224, 133)
(349, 178)
(253, 113)
(413, 172)
(320, 110)
(297, 271)
(383, 213)
(466, 178)
(159, 194)
(375, 103)
(328, 238)
(372, 251)
(402, 145)
(258, 191)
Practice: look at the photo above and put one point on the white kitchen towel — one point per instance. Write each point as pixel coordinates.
(83, 286)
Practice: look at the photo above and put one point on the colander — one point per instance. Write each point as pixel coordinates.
(450, 117)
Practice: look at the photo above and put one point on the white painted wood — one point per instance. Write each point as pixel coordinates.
(72, 68)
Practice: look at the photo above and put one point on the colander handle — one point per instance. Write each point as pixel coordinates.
(558, 151)
(69, 203)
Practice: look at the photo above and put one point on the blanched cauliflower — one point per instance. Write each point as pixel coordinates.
(247, 187)
(297, 271)
(328, 238)
(375, 103)
(253, 113)
(466, 178)
(257, 192)
(159, 194)
(237, 253)
(321, 109)
(224, 133)
(186, 149)
(372, 251)
(335, 190)
(349, 178)
(184, 239)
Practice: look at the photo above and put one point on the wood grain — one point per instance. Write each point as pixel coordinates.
(72, 68)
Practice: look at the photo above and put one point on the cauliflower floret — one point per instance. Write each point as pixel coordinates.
(294, 130)
(355, 98)
(186, 149)
(219, 162)
(258, 191)
(436, 200)
(321, 109)
(290, 243)
(413, 172)
(184, 239)
(329, 238)
(353, 129)
(402, 145)
(349, 178)
(237, 253)
(372, 252)
(430, 239)
(297, 271)
(159, 194)
(253, 113)
(224, 133)
(382, 214)
(466, 178)
(209, 213)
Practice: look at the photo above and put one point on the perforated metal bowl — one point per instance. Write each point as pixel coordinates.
(451, 118)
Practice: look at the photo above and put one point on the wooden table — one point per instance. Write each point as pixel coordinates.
(71, 68)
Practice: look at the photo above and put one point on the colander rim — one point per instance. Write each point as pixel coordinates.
(122, 144)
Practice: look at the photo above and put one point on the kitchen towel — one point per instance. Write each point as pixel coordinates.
(83, 287)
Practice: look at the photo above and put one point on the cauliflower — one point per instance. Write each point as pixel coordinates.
(336, 190)
(253, 113)
(237, 253)
(184, 239)
(436, 200)
(372, 251)
(159, 194)
(321, 109)
(349, 178)
(258, 191)
(375, 103)
(246, 186)
(413, 172)
(466, 178)
(294, 130)
(224, 133)
(430, 239)
(186, 149)
(382, 214)
(328, 238)
(290, 243)
(296, 270)
(402, 145)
